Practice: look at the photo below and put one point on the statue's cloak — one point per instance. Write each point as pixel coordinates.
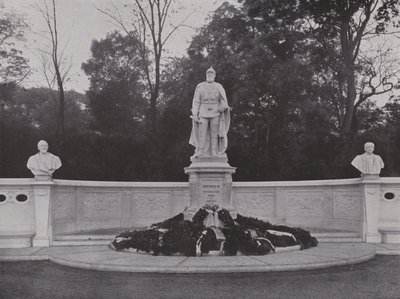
(224, 123)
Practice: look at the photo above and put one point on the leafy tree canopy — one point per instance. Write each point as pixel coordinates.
(116, 92)
(13, 66)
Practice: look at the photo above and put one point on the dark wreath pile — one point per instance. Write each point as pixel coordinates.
(247, 235)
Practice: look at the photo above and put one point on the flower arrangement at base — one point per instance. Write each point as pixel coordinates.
(213, 229)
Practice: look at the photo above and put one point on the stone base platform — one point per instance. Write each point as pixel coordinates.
(105, 236)
(105, 259)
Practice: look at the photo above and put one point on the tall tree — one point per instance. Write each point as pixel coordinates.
(150, 24)
(13, 66)
(116, 84)
(39, 110)
(392, 136)
(14, 69)
(265, 69)
(55, 67)
(334, 32)
(350, 21)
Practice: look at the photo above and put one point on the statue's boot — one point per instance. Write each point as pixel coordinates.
(196, 154)
(201, 152)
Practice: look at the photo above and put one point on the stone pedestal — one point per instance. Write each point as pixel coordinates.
(43, 177)
(42, 195)
(210, 182)
(371, 190)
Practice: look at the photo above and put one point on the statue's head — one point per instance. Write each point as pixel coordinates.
(210, 75)
(369, 147)
(43, 146)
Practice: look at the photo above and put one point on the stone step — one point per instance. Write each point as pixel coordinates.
(340, 240)
(83, 239)
(81, 242)
(87, 237)
(337, 237)
(94, 237)
(105, 239)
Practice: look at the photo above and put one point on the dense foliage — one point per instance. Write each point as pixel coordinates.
(286, 70)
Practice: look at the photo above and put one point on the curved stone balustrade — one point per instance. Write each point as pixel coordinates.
(370, 207)
(17, 217)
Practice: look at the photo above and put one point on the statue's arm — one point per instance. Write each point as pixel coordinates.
(223, 99)
(223, 104)
(196, 102)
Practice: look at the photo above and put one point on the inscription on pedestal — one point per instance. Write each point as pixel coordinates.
(210, 182)
(211, 192)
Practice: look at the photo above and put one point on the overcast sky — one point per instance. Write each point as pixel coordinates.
(80, 23)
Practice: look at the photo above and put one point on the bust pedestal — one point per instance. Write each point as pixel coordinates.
(43, 177)
(210, 182)
(42, 193)
(371, 190)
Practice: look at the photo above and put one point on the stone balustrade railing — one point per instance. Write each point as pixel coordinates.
(33, 212)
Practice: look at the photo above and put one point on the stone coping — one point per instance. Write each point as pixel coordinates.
(122, 184)
(23, 182)
(105, 259)
(310, 183)
(242, 184)
(390, 180)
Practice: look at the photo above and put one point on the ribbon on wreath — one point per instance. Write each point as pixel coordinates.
(212, 219)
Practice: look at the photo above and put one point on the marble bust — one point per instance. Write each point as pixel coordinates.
(43, 163)
(210, 118)
(368, 163)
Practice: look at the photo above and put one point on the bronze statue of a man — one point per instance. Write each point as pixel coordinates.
(211, 118)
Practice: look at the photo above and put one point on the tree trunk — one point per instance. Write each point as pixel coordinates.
(61, 115)
(61, 107)
(154, 97)
(153, 114)
(350, 99)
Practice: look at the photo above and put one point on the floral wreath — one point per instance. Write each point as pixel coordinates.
(213, 229)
